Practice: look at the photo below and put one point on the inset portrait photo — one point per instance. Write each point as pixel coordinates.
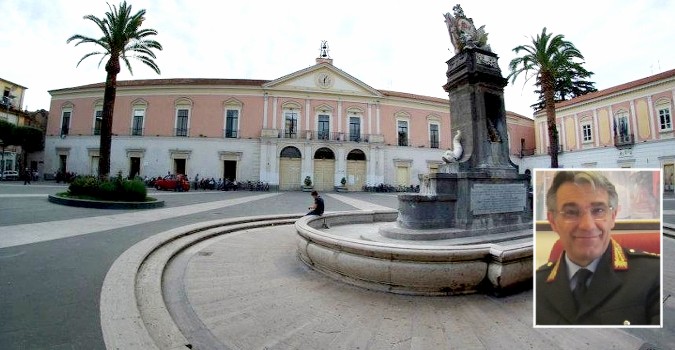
(597, 246)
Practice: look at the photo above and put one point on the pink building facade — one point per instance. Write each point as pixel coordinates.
(319, 122)
(625, 126)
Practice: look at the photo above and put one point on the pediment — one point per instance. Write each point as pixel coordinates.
(323, 78)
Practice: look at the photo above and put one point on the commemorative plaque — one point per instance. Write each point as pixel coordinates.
(497, 198)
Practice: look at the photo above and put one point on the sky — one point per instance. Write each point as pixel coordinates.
(394, 45)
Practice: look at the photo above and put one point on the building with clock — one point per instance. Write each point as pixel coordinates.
(319, 122)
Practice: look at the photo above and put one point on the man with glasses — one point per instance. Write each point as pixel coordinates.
(594, 281)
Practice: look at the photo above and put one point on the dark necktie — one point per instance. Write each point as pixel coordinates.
(580, 288)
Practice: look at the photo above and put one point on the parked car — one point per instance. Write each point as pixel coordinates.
(170, 182)
(9, 175)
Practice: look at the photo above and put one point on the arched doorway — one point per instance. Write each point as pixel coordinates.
(356, 170)
(290, 166)
(324, 169)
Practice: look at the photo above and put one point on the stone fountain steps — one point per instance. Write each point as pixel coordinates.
(504, 238)
(348, 246)
(370, 232)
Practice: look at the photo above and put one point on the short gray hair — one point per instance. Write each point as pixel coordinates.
(595, 179)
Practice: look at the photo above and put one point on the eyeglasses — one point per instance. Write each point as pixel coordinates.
(598, 213)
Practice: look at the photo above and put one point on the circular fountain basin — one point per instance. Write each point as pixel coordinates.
(352, 251)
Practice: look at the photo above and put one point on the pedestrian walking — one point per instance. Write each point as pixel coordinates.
(26, 176)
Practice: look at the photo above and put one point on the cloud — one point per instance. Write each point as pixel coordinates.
(400, 46)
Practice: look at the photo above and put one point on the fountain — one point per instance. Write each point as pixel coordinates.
(469, 229)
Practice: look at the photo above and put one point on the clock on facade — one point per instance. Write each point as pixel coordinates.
(324, 80)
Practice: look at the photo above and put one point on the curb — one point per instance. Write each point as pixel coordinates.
(133, 311)
(88, 203)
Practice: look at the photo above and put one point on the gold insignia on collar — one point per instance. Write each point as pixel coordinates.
(619, 260)
(554, 272)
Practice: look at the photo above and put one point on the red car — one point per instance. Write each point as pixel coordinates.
(170, 182)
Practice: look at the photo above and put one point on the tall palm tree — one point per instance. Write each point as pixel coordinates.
(548, 59)
(567, 87)
(122, 39)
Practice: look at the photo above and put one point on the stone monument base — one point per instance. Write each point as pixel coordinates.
(490, 205)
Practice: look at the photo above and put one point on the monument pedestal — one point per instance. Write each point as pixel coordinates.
(469, 229)
(481, 193)
(460, 205)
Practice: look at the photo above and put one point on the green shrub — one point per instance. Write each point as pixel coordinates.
(114, 189)
(134, 191)
(107, 190)
(84, 186)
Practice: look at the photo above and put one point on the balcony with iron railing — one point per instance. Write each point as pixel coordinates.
(322, 135)
(357, 137)
(289, 134)
(434, 144)
(624, 140)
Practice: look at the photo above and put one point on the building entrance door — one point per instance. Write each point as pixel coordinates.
(134, 167)
(289, 174)
(229, 170)
(402, 176)
(63, 161)
(669, 181)
(356, 175)
(324, 169)
(290, 166)
(94, 165)
(324, 174)
(179, 166)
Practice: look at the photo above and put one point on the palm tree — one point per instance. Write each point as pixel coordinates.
(567, 87)
(548, 59)
(122, 39)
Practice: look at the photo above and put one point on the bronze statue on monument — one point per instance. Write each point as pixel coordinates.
(463, 33)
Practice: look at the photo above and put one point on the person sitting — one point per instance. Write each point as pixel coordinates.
(318, 206)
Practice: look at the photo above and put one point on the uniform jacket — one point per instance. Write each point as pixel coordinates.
(625, 290)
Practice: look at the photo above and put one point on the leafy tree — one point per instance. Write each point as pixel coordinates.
(7, 133)
(29, 138)
(548, 59)
(122, 39)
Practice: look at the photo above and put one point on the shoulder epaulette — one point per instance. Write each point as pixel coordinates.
(547, 266)
(619, 260)
(633, 252)
(554, 271)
